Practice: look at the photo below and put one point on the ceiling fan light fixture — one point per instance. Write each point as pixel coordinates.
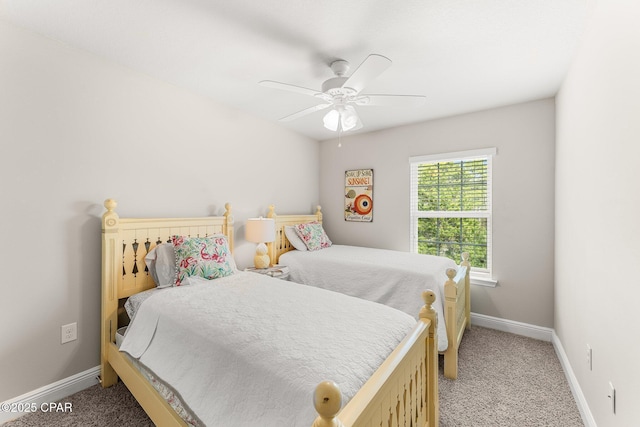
(345, 117)
(349, 118)
(331, 120)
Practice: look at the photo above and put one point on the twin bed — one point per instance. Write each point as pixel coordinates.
(397, 278)
(246, 347)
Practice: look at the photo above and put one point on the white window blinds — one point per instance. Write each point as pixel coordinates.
(451, 206)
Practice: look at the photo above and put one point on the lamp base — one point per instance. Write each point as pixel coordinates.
(261, 260)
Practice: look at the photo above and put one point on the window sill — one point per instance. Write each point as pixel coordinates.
(482, 280)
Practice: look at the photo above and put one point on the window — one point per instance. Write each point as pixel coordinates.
(451, 206)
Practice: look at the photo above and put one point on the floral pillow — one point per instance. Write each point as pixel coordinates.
(207, 257)
(313, 235)
(293, 238)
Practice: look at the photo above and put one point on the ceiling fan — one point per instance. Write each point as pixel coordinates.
(342, 94)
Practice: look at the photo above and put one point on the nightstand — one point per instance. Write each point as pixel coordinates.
(277, 271)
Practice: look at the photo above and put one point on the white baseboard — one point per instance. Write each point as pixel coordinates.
(583, 407)
(49, 393)
(518, 328)
(544, 334)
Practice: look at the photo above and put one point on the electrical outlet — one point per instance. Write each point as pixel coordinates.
(612, 397)
(69, 332)
(589, 357)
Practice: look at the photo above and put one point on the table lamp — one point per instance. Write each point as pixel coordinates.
(261, 230)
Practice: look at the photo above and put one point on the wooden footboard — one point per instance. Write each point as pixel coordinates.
(457, 313)
(402, 392)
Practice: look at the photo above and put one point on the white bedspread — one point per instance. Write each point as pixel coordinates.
(248, 349)
(393, 278)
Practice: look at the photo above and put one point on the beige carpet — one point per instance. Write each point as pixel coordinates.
(504, 380)
(507, 380)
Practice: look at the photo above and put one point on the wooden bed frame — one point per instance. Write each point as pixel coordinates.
(403, 391)
(457, 292)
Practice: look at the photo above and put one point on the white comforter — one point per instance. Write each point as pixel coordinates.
(393, 278)
(248, 350)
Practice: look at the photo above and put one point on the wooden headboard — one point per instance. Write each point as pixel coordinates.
(281, 244)
(125, 243)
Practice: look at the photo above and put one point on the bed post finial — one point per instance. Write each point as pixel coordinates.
(110, 204)
(110, 218)
(451, 273)
(327, 400)
(319, 213)
(272, 212)
(427, 311)
(465, 259)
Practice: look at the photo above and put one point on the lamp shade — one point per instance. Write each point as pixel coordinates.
(260, 230)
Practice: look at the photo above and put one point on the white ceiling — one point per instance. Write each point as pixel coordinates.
(463, 55)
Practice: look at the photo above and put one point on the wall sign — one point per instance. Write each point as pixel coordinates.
(358, 195)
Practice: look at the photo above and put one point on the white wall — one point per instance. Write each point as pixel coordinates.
(75, 130)
(523, 197)
(597, 205)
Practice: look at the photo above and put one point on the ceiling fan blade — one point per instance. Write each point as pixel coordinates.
(304, 112)
(371, 67)
(391, 100)
(288, 87)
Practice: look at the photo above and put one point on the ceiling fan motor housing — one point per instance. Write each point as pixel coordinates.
(334, 87)
(339, 67)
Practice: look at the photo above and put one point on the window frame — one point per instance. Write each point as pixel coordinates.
(480, 276)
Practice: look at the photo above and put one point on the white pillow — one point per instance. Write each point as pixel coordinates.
(161, 261)
(294, 239)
